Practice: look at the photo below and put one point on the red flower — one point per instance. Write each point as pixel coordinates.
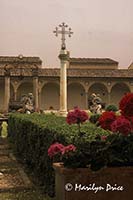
(55, 149)
(126, 105)
(69, 148)
(121, 125)
(77, 116)
(106, 119)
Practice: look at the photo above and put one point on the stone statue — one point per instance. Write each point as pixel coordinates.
(95, 104)
(27, 102)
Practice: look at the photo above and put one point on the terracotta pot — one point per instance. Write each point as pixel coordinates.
(83, 184)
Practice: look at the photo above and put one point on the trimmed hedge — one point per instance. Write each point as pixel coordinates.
(111, 108)
(33, 134)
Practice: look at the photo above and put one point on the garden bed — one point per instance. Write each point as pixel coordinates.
(33, 134)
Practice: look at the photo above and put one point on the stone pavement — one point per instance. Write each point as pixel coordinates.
(14, 183)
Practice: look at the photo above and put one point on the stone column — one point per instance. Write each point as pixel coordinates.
(109, 99)
(109, 92)
(15, 94)
(39, 99)
(86, 100)
(7, 90)
(64, 57)
(131, 87)
(35, 88)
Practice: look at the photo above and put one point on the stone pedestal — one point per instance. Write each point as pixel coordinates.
(64, 57)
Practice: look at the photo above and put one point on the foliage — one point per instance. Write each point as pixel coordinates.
(113, 150)
(33, 134)
(94, 118)
(111, 107)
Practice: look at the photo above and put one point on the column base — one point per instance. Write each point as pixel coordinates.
(63, 113)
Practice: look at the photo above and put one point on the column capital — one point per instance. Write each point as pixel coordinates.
(7, 72)
(35, 72)
(64, 55)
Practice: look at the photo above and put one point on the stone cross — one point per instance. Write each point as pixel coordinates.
(63, 32)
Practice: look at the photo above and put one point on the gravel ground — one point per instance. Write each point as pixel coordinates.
(23, 195)
(13, 184)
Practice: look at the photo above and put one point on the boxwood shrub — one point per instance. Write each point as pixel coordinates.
(32, 135)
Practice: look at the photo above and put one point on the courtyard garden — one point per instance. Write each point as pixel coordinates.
(53, 149)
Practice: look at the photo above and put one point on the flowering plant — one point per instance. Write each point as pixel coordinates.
(106, 119)
(113, 149)
(121, 125)
(77, 117)
(58, 148)
(126, 105)
(54, 149)
(61, 150)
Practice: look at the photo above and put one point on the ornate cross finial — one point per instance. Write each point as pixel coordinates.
(63, 32)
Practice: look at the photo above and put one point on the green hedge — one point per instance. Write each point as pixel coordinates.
(33, 134)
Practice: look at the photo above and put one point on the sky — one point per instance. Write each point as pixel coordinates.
(102, 29)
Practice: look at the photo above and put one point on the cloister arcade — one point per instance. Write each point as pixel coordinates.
(78, 92)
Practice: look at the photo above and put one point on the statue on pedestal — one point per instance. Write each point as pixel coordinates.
(95, 103)
(27, 102)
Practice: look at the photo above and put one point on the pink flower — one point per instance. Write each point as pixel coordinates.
(55, 149)
(69, 148)
(103, 137)
(121, 125)
(77, 116)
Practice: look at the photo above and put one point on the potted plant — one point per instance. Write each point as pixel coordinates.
(100, 169)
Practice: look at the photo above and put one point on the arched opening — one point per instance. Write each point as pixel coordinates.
(24, 88)
(2, 94)
(99, 89)
(117, 92)
(76, 96)
(50, 96)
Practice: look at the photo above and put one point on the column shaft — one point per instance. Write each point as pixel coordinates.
(63, 82)
(35, 92)
(86, 100)
(109, 100)
(7, 93)
(63, 87)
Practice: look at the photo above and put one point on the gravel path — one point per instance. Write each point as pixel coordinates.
(14, 183)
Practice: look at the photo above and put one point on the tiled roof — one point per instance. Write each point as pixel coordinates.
(88, 73)
(92, 61)
(71, 73)
(20, 59)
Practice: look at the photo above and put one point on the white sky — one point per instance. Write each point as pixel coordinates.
(102, 28)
